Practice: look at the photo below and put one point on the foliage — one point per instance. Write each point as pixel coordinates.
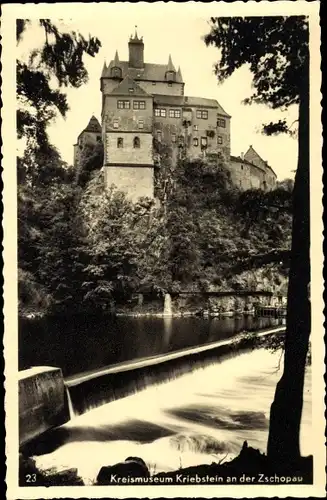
(90, 161)
(89, 246)
(276, 50)
(55, 65)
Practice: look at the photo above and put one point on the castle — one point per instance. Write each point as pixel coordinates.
(145, 101)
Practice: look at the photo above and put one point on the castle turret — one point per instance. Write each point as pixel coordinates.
(170, 74)
(104, 70)
(136, 52)
(115, 71)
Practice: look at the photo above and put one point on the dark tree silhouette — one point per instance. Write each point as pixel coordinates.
(276, 50)
(41, 80)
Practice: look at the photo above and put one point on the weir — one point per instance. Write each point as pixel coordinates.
(48, 401)
(93, 389)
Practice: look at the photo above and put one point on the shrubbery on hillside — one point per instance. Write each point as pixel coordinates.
(85, 246)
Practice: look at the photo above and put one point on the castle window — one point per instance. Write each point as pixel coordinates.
(195, 141)
(173, 137)
(160, 112)
(219, 139)
(195, 127)
(120, 142)
(136, 142)
(221, 123)
(140, 124)
(202, 113)
(174, 113)
(139, 104)
(123, 104)
(204, 142)
(159, 135)
(98, 138)
(115, 123)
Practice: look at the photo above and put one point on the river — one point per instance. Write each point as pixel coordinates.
(81, 344)
(186, 416)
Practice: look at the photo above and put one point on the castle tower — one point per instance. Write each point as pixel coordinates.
(136, 52)
(127, 129)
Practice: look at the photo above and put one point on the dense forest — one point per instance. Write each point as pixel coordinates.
(82, 246)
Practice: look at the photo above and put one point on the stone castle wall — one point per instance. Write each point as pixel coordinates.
(135, 181)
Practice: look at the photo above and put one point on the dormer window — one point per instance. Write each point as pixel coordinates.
(170, 76)
(116, 72)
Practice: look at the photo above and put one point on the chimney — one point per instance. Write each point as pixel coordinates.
(242, 156)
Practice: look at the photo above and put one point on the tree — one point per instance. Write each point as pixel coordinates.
(50, 68)
(91, 159)
(276, 50)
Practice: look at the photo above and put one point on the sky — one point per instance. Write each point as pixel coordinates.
(182, 37)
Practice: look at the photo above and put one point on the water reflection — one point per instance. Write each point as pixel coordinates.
(168, 329)
(82, 344)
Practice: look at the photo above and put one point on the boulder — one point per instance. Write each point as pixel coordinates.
(131, 467)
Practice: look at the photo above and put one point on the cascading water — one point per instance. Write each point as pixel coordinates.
(71, 410)
(199, 417)
(167, 305)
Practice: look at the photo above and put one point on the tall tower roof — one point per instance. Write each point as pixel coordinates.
(104, 69)
(179, 74)
(116, 59)
(93, 125)
(170, 66)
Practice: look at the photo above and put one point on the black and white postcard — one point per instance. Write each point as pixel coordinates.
(163, 259)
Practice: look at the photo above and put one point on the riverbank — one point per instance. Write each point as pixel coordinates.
(250, 466)
(207, 304)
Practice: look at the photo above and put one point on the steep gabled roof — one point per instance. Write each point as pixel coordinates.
(93, 125)
(252, 151)
(149, 72)
(129, 87)
(238, 159)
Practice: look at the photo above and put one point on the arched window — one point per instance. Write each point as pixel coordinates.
(120, 142)
(136, 142)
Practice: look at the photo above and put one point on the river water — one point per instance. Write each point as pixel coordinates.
(181, 416)
(78, 345)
